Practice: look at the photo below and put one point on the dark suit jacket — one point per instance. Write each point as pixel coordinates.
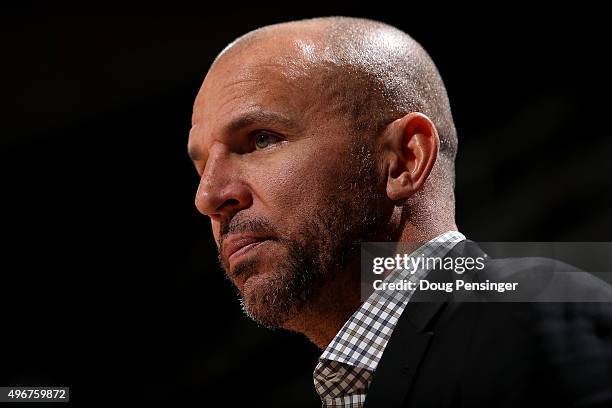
(459, 352)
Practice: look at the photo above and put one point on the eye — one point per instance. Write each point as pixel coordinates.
(264, 139)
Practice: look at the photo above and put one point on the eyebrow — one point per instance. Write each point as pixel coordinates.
(263, 118)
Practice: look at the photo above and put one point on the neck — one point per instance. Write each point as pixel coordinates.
(413, 233)
(423, 221)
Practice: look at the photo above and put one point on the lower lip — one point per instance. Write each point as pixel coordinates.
(244, 251)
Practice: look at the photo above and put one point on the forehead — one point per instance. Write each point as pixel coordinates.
(263, 75)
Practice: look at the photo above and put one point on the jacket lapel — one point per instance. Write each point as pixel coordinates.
(400, 360)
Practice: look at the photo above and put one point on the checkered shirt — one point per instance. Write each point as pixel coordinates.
(347, 365)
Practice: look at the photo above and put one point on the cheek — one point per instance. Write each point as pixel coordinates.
(295, 182)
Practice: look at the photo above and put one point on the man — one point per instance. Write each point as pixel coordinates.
(314, 136)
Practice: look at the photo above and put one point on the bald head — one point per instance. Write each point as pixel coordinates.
(367, 71)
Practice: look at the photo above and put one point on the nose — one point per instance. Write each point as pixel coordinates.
(222, 191)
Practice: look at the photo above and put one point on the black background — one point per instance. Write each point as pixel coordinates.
(109, 276)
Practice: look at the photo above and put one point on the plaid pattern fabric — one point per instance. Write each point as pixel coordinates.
(346, 367)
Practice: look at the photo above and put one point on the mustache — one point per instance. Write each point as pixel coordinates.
(259, 225)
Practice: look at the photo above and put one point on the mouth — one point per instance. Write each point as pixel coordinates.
(236, 248)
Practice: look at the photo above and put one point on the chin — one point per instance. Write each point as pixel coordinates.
(265, 299)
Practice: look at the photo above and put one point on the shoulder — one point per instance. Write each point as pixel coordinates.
(546, 280)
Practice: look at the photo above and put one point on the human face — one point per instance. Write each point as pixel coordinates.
(289, 189)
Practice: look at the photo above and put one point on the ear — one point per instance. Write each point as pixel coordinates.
(411, 146)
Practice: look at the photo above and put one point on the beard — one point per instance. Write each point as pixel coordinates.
(324, 246)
